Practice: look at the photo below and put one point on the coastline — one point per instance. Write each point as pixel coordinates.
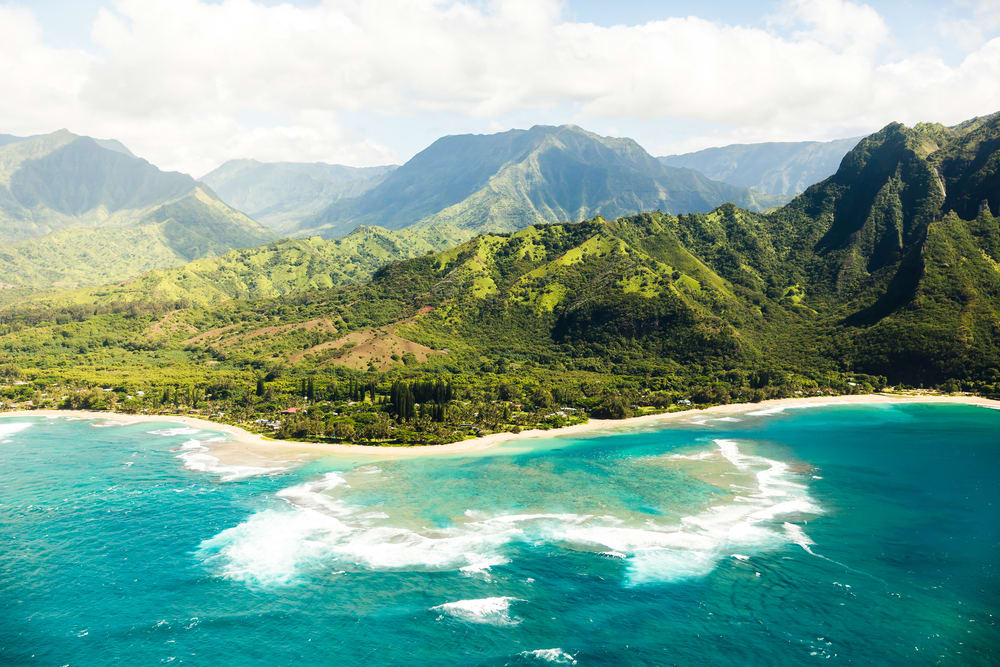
(240, 436)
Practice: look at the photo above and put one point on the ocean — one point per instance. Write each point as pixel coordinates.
(852, 534)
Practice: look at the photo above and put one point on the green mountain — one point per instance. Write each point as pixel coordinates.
(507, 181)
(281, 195)
(782, 169)
(83, 211)
(279, 268)
(905, 232)
(886, 272)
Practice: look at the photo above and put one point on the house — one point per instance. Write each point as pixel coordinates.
(684, 401)
(290, 411)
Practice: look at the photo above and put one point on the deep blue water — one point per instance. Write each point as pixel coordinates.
(845, 534)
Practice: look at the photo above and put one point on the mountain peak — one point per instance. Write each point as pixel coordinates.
(508, 180)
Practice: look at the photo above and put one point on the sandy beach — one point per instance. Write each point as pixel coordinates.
(256, 444)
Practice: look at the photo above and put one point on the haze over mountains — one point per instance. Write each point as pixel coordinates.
(83, 211)
(783, 169)
(280, 195)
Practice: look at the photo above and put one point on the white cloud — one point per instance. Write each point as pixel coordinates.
(835, 23)
(177, 80)
(972, 31)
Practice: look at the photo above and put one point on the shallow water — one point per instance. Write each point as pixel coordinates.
(854, 534)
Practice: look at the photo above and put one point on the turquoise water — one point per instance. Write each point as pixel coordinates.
(858, 535)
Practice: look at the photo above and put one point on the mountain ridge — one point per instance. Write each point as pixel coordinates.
(508, 180)
(80, 210)
(778, 168)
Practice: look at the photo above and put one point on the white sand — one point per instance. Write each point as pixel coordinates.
(256, 444)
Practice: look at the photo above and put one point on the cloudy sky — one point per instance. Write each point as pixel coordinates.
(188, 84)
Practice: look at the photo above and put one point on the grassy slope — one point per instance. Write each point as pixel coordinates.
(279, 268)
(195, 225)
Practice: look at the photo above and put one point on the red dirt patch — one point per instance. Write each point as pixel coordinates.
(369, 345)
(217, 335)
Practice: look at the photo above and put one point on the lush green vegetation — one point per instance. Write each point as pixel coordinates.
(867, 279)
(77, 211)
(282, 267)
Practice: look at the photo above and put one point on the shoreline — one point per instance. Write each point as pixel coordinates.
(240, 436)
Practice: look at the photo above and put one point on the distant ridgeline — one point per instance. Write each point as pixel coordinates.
(887, 271)
(280, 195)
(82, 211)
(779, 169)
(507, 181)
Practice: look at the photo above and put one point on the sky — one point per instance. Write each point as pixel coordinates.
(189, 84)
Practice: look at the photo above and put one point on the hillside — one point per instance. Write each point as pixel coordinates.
(782, 169)
(875, 275)
(282, 267)
(510, 180)
(280, 195)
(75, 210)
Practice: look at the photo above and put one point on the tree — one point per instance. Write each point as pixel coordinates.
(613, 407)
(344, 431)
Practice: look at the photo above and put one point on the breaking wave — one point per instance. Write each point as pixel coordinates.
(553, 655)
(171, 432)
(491, 611)
(10, 429)
(317, 529)
(196, 456)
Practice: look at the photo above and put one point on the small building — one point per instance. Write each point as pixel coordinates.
(290, 411)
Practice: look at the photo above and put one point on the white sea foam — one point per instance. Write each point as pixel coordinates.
(11, 429)
(728, 419)
(798, 536)
(553, 655)
(700, 456)
(767, 411)
(172, 432)
(196, 456)
(491, 611)
(320, 530)
(797, 406)
(692, 548)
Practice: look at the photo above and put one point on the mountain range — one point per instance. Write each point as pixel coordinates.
(510, 180)
(77, 210)
(780, 169)
(887, 271)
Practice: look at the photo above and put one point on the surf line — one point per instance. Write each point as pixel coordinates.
(797, 535)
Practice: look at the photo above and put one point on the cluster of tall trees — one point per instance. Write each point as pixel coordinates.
(431, 396)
